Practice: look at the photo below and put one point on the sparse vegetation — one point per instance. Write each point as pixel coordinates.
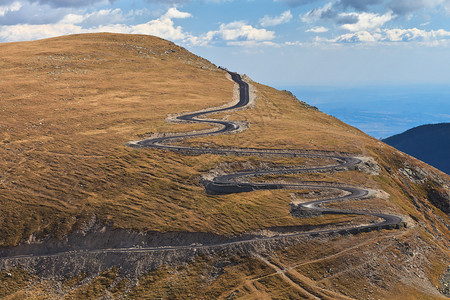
(70, 104)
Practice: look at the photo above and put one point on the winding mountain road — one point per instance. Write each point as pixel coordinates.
(239, 183)
(233, 183)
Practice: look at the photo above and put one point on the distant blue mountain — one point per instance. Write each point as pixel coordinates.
(429, 143)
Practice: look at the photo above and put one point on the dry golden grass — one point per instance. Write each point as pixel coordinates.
(69, 105)
(280, 121)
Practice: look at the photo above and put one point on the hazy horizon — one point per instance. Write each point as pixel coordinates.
(380, 111)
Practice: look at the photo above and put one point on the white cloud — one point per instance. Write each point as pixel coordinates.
(163, 27)
(356, 37)
(405, 7)
(174, 13)
(296, 43)
(252, 43)
(414, 34)
(104, 16)
(318, 13)
(72, 23)
(285, 17)
(236, 34)
(26, 32)
(24, 12)
(241, 30)
(202, 40)
(15, 6)
(366, 21)
(113, 20)
(72, 19)
(318, 29)
(399, 7)
(393, 36)
(351, 21)
(71, 3)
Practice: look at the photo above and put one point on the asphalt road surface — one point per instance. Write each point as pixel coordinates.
(240, 183)
(233, 183)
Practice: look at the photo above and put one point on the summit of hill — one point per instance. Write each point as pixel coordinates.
(83, 215)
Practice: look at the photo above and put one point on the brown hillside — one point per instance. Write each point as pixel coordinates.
(68, 107)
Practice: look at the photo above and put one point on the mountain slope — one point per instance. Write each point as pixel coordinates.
(70, 182)
(429, 143)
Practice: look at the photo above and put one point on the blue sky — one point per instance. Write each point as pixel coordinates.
(277, 42)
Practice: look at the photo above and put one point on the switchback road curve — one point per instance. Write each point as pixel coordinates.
(236, 183)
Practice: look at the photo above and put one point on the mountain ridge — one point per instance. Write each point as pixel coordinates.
(95, 92)
(429, 143)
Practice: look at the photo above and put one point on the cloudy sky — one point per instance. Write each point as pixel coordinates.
(279, 42)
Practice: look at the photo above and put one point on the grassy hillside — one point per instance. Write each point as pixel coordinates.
(70, 104)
